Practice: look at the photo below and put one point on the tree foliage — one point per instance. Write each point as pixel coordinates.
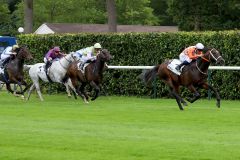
(205, 14)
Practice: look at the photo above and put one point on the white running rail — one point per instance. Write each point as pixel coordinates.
(150, 67)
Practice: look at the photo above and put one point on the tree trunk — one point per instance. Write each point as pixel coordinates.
(112, 20)
(28, 16)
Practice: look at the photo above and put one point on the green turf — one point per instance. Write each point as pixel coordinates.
(117, 128)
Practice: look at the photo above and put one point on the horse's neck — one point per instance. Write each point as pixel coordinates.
(65, 61)
(18, 62)
(202, 64)
(99, 66)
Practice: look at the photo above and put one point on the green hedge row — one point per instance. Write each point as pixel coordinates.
(146, 49)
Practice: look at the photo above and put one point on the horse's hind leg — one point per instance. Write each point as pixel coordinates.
(30, 91)
(174, 91)
(38, 90)
(178, 99)
(195, 92)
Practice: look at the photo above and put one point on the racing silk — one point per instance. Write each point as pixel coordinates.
(192, 52)
(7, 53)
(51, 53)
(86, 54)
(189, 54)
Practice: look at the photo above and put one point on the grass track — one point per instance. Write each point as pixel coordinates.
(117, 128)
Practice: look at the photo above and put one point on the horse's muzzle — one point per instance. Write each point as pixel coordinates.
(220, 62)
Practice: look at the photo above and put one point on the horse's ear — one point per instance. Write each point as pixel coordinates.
(205, 49)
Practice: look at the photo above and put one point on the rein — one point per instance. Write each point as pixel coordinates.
(69, 61)
(208, 60)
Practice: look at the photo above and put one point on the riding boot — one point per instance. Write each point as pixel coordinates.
(82, 65)
(179, 67)
(48, 64)
(5, 61)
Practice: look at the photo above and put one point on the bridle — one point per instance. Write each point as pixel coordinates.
(208, 59)
(69, 61)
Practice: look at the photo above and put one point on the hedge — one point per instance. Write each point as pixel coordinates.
(145, 49)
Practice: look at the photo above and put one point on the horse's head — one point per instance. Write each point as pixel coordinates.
(24, 53)
(213, 55)
(104, 55)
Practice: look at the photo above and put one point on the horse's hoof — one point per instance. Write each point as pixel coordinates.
(185, 104)
(22, 97)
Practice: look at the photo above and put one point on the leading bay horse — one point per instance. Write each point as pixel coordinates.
(92, 75)
(193, 75)
(14, 70)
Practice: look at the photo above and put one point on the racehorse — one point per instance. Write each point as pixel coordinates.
(57, 72)
(14, 70)
(193, 75)
(92, 75)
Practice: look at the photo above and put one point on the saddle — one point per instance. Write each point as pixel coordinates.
(79, 66)
(172, 66)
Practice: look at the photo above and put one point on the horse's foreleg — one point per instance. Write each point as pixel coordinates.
(9, 87)
(30, 91)
(96, 89)
(26, 86)
(67, 90)
(208, 86)
(196, 95)
(74, 87)
(82, 90)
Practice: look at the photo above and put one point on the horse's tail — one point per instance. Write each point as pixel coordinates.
(27, 67)
(148, 76)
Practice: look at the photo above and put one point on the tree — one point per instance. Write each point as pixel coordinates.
(205, 14)
(160, 10)
(112, 20)
(5, 18)
(28, 16)
(135, 12)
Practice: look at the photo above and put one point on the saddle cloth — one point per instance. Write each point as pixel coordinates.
(85, 65)
(172, 66)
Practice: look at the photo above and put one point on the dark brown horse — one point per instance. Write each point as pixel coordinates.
(93, 74)
(14, 70)
(193, 75)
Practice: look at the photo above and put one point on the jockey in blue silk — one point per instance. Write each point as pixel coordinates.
(8, 54)
(88, 54)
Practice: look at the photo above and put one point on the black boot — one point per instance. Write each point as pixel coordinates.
(179, 67)
(48, 64)
(82, 65)
(5, 62)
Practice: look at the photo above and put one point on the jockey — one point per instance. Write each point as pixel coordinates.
(52, 54)
(189, 54)
(88, 54)
(8, 54)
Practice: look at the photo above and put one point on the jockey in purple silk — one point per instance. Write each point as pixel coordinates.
(52, 54)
